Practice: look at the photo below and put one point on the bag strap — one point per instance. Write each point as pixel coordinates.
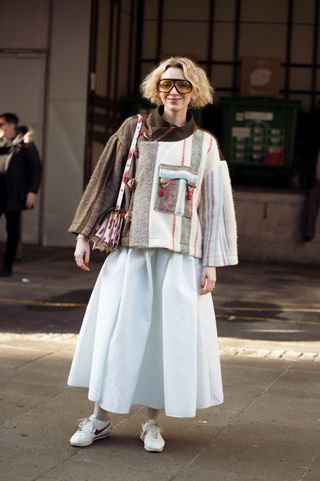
(129, 161)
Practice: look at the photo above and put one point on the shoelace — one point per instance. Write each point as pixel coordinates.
(85, 425)
(155, 430)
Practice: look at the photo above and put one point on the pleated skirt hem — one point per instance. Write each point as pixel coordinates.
(148, 337)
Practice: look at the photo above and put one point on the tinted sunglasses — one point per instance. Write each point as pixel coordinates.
(182, 86)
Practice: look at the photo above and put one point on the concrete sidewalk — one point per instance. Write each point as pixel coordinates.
(268, 429)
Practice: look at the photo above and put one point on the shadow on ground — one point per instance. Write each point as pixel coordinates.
(252, 301)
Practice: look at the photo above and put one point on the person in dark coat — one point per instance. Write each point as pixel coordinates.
(312, 205)
(20, 174)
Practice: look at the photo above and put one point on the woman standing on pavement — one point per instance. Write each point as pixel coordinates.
(149, 334)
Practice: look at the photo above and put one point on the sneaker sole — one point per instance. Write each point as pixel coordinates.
(82, 445)
(151, 450)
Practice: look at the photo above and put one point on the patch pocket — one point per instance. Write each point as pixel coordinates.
(175, 189)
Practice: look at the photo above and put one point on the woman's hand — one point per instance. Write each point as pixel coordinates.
(82, 254)
(208, 280)
(31, 200)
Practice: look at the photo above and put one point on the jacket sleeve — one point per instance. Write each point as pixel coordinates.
(217, 215)
(102, 190)
(34, 167)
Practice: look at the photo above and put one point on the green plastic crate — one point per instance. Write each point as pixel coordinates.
(259, 132)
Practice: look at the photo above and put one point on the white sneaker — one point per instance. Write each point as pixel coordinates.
(90, 429)
(151, 436)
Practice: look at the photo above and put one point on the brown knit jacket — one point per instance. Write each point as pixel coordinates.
(102, 190)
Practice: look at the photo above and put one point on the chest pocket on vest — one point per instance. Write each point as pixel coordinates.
(176, 186)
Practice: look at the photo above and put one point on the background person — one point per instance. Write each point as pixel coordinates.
(312, 204)
(20, 173)
(149, 334)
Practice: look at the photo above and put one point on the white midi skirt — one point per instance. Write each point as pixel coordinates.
(148, 337)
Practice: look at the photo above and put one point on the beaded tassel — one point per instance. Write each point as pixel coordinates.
(190, 189)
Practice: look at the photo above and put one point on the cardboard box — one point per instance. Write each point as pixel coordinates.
(260, 76)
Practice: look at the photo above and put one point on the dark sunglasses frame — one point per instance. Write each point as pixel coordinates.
(174, 84)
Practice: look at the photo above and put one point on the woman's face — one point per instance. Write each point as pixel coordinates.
(174, 101)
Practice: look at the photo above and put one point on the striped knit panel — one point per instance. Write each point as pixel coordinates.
(218, 218)
(197, 222)
(229, 225)
(145, 174)
(186, 222)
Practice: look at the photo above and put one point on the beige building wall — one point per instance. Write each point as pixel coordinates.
(269, 228)
(44, 56)
(66, 118)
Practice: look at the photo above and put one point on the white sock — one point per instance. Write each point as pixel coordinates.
(100, 414)
(150, 413)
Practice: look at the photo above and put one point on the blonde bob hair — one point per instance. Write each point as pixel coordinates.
(202, 91)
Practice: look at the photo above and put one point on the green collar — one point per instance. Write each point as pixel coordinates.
(160, 129)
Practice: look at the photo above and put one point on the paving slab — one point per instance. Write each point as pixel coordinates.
(298, 383)
(244, 362)
(313, 470)
(12, 357)
(13, 404)
(28, 461)
(303, 365)
(243, 386)
(106, 471)
(279, 409)
(260, 449)
(9, 477)
(199, 473)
